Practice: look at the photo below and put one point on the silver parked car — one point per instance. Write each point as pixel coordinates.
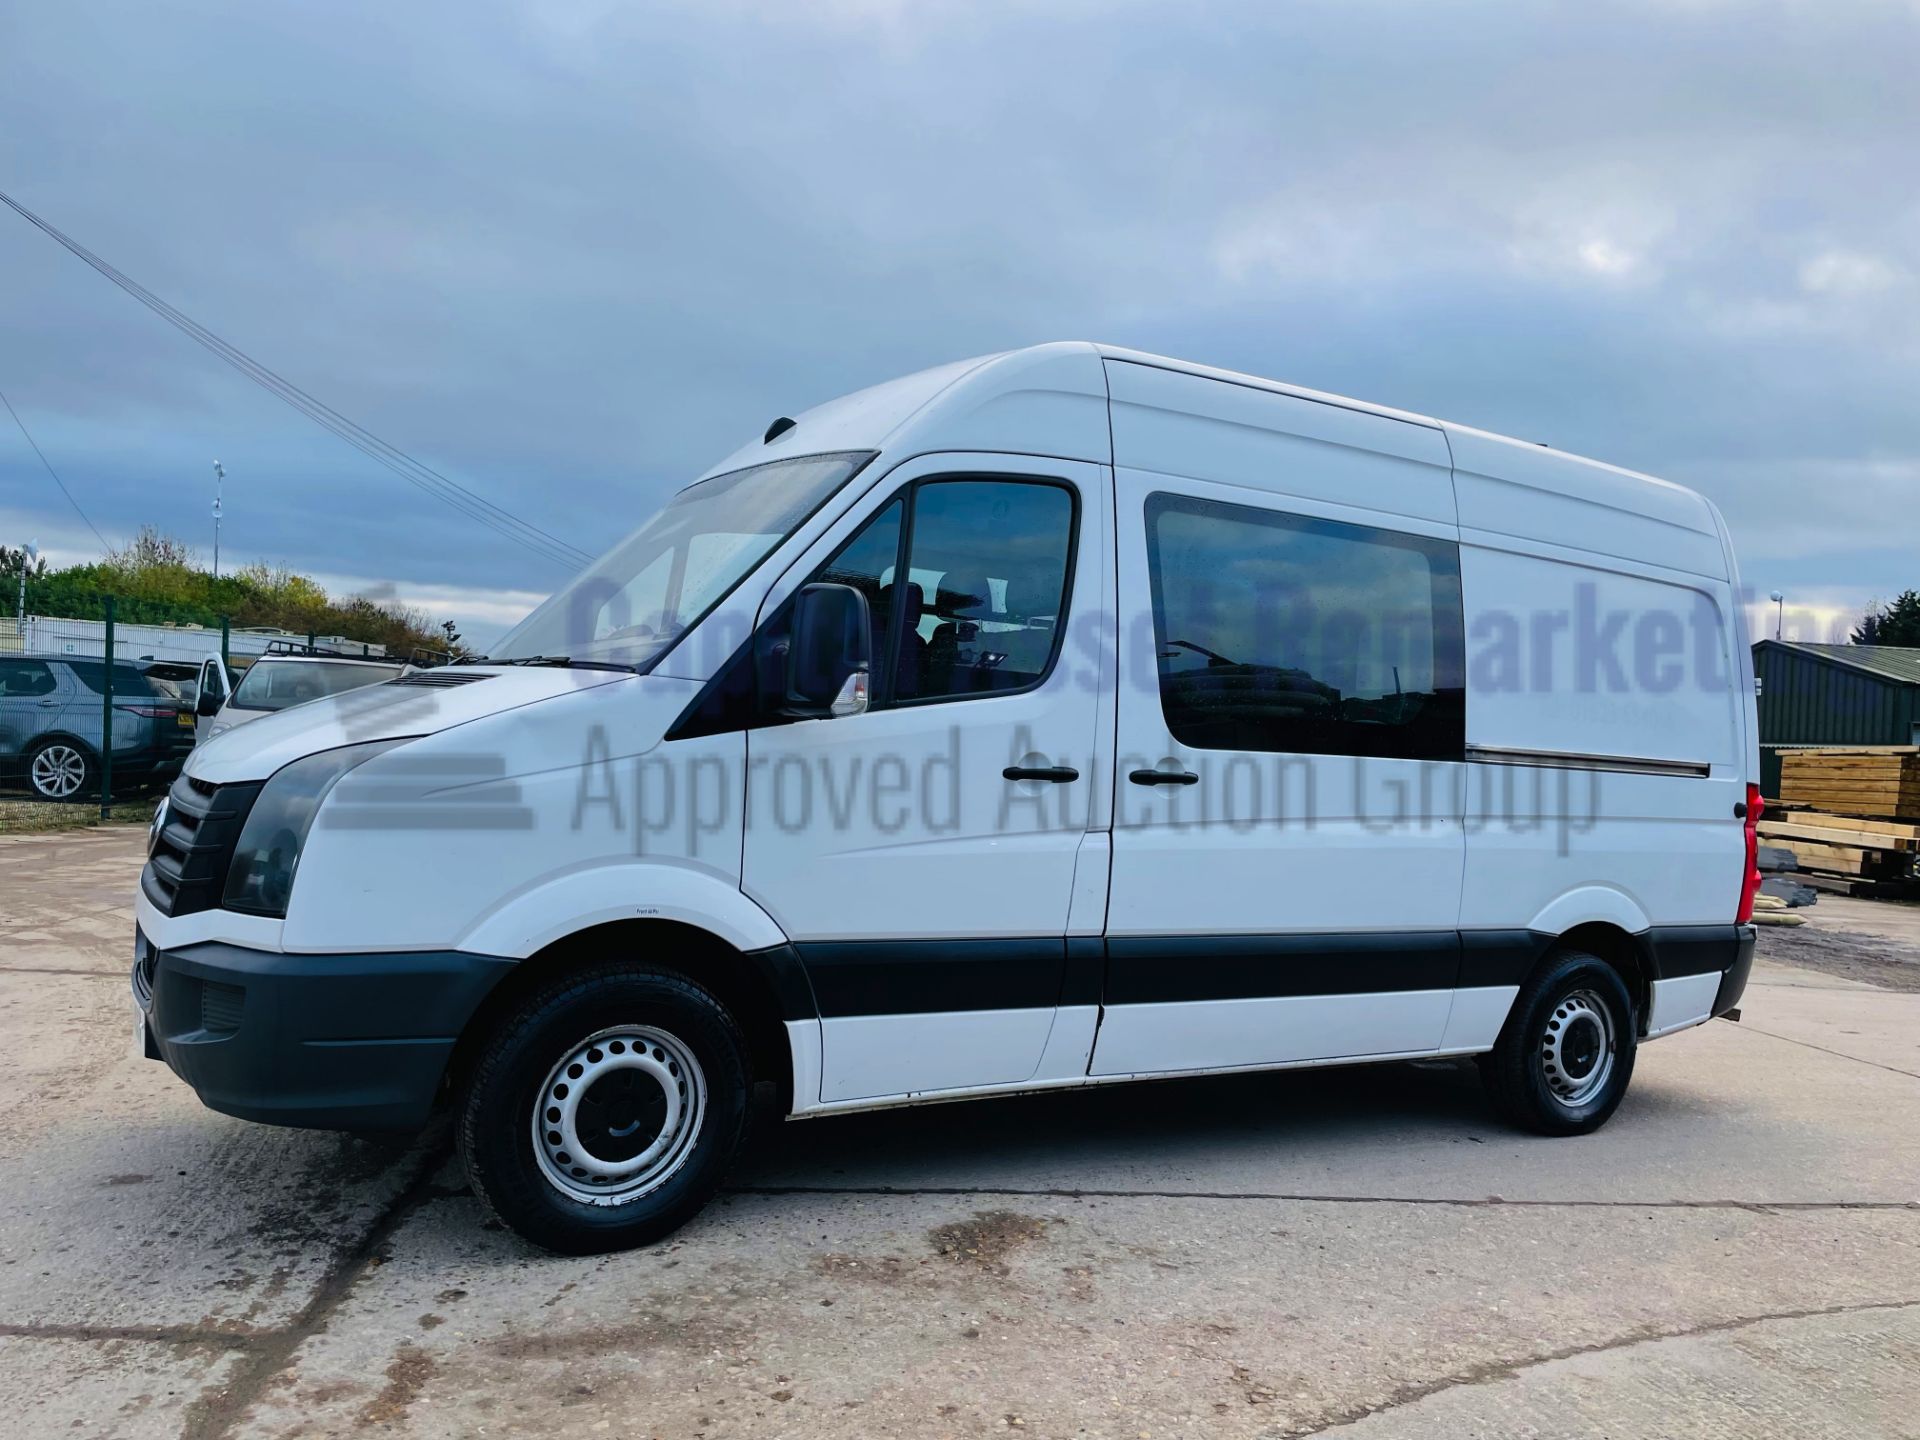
(51, 724)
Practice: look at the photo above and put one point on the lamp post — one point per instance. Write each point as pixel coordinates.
(27, 557)
(1779, 615)
(219, 475)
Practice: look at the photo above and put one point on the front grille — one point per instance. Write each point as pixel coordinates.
(440, 679)
(187, 868)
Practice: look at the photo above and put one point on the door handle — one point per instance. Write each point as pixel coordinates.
(49, 704)
(1057, 774)
(1163, 777)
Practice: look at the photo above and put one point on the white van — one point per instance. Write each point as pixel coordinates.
(281, 678)
(1058, 718)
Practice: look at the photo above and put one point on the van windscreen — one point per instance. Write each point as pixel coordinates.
(629, 606)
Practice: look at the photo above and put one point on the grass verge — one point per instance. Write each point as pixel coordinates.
(32, 817)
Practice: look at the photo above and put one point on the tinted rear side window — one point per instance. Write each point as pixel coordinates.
(1281, 632)
(126, 679)
(22, 678)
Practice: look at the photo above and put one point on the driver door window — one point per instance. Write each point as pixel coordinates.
(982, 611)
(987, 573)
(986, 579)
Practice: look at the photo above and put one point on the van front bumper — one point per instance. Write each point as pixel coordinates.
(332, 1042)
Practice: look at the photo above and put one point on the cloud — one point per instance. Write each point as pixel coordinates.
(1850, 273)
(568, 254)
(1795, 507)
(481, 615)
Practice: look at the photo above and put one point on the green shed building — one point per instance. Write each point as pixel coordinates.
(1818, 696)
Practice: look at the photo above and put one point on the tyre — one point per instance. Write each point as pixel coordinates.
(1564, 1058)
(605, 1112)
(60, 770)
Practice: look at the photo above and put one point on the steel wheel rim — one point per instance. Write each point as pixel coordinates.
(619, 1115)
(58, 771)
(1577, 1048)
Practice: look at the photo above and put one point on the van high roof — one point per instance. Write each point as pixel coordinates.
(1053, 399)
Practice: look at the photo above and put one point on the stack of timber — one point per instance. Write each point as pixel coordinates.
(1877, 781)
(1852, 819)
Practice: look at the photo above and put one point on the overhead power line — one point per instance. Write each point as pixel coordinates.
(51, 471)
(416, 473)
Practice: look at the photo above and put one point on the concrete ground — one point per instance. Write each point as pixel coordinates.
(1366, 1253)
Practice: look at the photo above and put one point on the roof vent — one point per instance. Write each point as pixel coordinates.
(777, 429)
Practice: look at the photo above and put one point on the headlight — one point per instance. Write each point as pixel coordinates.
(268, 851)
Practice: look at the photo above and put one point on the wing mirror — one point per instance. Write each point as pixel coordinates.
(829, 654)
(208, 703)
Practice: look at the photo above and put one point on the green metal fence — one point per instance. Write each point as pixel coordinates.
(67, 653)
(106, 722)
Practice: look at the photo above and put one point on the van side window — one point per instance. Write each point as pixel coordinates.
(987, 583)
(1279, 632)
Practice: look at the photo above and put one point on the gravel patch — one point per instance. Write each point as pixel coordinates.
(1869, 958)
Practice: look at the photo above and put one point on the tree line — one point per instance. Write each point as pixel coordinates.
(156, 580)
(1896, 622)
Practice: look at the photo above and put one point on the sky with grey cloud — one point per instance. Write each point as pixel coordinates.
(570, 252)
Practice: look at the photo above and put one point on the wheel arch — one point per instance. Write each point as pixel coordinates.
(557, 906)
(763, 989)
(1607, 922)
(1626, 952)
(48, 737)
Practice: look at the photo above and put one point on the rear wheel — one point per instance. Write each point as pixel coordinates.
(59, 770)
(1563, 1061)
(606, 1112)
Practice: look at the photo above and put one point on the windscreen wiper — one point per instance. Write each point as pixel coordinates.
(562, 661)
(569, 662)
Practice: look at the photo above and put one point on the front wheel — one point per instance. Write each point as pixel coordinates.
(1562, 1062)
(606, 1112)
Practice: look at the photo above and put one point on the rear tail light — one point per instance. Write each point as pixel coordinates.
(1750, 884)
(152, 712)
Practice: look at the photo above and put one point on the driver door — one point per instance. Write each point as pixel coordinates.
(211, 694)
(923, 855)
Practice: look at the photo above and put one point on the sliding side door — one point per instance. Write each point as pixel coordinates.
(1287, 838)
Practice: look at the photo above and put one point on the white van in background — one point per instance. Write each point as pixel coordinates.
(1059, 718)
(278, 679)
